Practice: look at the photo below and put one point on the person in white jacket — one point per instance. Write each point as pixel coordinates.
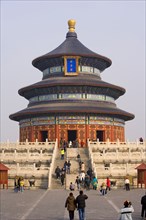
(126, 211)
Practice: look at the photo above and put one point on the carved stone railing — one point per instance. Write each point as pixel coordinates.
(116, 158)
(26, 151)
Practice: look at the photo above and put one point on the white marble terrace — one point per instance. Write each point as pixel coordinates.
(114, 159)
(117, 159)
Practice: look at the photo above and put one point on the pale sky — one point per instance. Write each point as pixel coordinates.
(115, 29)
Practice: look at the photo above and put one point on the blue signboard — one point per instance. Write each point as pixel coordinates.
(71, 65)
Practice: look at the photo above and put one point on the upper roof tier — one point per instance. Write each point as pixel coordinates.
(72, 47)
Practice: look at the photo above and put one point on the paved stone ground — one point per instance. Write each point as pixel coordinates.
(49, 204)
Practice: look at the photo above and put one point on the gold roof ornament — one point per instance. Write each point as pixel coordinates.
(71, 24)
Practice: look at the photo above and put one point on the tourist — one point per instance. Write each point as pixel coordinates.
(80, 201)
(21, 184)
(126, 211)
(103, 189)
(61, 142)
(90, 173)
(57, 172)
(72, 186)
(16, 186)
(70, 204)
(141, 140)
(68, 167)
(62, 177)
(19, 179)
(82, 177)
(108, 184)
(76, 143)
(87, 182)
(143, 203)
(65, 166)
(82, 143)
(94, 183)
(64, 145)
(80, 163)
(32, 181)
(62, 153)
(70, 144)
(78, 182)
(127, 184)
(82, 167)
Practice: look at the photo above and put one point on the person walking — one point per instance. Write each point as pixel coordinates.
(70, 204)
(62, 177)
(62, 153)
(21, 185)
(103, 189)
(108, 184)
(68, 167)
(80, 201)
(57, 172)
(126, 211)
(143, 209)
(127, 184)
(94, 183)
(78, 182)
(82, 167)
(16, 187)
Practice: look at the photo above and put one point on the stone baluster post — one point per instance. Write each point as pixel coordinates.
(17, 143)
(46, 141)
(28, 155)
(26, 142)
(110, 169)
(107, 143)
(15, 154)
(36, 142)
(118, 143)
(34, 168)
(17, 169)
(129, 153)
(8, 143)
(117, 154)
(142, 153)
(126, 169)
(41, 154)
(3, 154)
(104, 154)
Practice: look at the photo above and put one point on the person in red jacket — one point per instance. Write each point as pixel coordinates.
(108, 184)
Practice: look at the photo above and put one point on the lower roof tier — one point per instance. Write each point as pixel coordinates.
(71, 108)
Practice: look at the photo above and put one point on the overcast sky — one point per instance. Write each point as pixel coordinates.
(115, 29)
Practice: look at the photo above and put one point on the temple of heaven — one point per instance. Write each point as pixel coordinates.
(72, 102)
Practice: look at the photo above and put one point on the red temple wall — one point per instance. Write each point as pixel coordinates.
(84, 132)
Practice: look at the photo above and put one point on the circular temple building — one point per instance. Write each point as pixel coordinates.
(71, 102)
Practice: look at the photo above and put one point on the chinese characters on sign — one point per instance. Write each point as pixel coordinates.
(71, 65)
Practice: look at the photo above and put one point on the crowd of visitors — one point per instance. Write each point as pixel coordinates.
(18, 184)
(71, 144)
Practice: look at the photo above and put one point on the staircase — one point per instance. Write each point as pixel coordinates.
(84, 156)
(71, 155)
(56, 183)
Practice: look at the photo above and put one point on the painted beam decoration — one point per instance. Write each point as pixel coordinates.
(70, 66)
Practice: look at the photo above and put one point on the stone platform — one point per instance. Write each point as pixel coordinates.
(49, 204)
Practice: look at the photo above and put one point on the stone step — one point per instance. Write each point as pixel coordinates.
(71, 155)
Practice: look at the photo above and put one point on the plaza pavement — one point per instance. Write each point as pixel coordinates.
(42, 204)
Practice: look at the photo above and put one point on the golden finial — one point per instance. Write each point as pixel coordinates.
(71, 24)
